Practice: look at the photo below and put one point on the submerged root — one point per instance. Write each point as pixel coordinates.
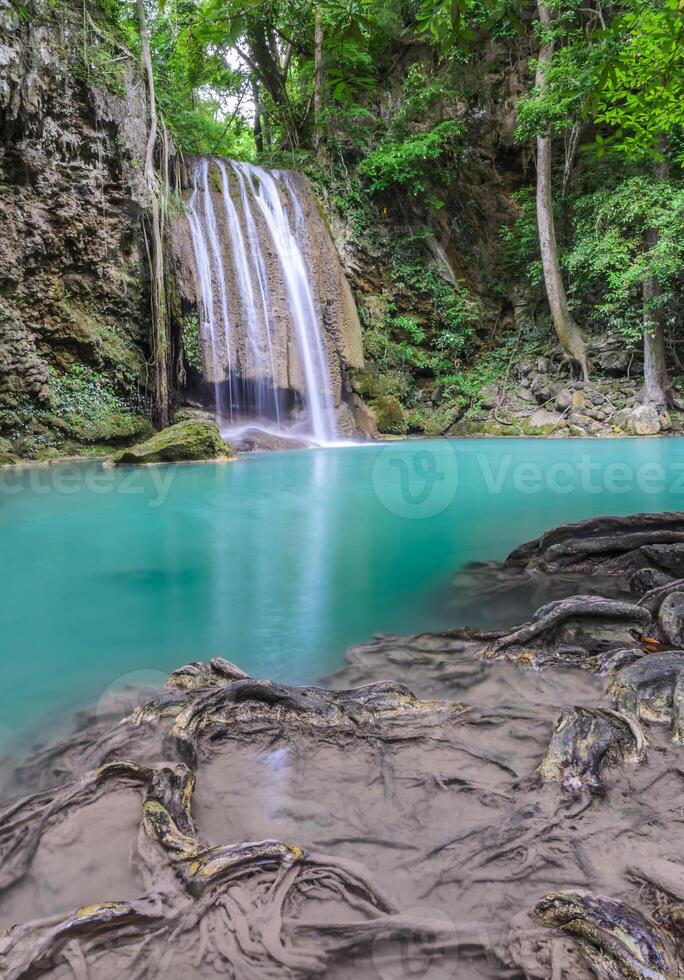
(190, 881)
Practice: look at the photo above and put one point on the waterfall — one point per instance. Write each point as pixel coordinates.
(259, 314)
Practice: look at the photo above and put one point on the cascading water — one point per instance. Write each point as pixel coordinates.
(259, 316)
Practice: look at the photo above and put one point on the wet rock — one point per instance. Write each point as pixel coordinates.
(192, 440)
(253, 439)
(671, 618)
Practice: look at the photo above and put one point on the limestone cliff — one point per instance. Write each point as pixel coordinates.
(72, 311)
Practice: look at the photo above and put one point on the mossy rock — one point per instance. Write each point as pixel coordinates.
(443, 418)
(389, 415)
(191, 440)
(366, 382)
(7, 459)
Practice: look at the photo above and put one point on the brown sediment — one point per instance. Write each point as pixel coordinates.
(468, 804)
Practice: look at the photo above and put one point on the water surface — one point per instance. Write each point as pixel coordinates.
(277, 561)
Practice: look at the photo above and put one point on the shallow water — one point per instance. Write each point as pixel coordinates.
(277, 561)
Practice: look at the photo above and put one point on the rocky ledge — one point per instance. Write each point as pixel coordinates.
(502, 803)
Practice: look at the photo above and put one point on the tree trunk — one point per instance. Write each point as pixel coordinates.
(160, 344)
(656, 383)
(319, 85)
(569, 333)
(268, 70)
(258, 131)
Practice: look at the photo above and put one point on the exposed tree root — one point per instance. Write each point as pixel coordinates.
(586, 740)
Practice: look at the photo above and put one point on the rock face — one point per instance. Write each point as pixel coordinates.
(71, 310)
(192, 440)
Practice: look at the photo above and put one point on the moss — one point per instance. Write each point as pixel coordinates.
(6, 459)
(443, 418)
(191, 440)
(389, 415)
(116, 428)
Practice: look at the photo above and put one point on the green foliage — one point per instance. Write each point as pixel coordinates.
(623, 236)
(81, 395)
(409, 163)
(190, 340)
(640, 91)
(521, 241)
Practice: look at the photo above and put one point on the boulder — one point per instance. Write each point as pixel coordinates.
(541, 419)
(671, 618)
(389, 415)
(525, 395)
(643, 420)
(190, 440)
(489, 397)
(578, 401)
(563, 400)
(443, 418)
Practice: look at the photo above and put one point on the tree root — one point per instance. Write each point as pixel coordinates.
(584, 742)
(616, 939)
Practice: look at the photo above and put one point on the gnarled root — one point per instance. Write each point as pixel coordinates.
(586, 740)
(616, 939)
(189, 879)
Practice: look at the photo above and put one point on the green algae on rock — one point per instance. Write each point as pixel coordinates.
(192, 440)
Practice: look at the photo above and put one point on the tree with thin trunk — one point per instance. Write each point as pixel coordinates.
(155, 246)
(319, 86)
(656, 384)
(569, 334)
